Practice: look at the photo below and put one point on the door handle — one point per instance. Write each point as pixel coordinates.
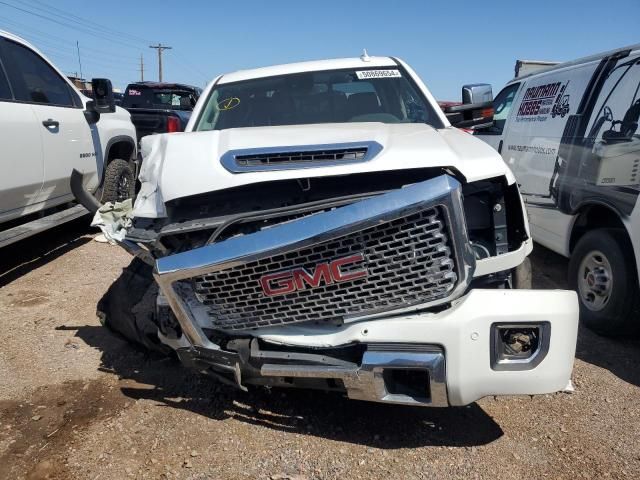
(500, 147)
(50, 123)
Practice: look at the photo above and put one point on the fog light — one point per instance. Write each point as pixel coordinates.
(519, 346)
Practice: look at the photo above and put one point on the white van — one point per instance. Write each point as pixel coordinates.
(570, 134)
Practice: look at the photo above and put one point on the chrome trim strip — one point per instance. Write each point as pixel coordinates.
(228, 159)
(443, 190)
(367, 382)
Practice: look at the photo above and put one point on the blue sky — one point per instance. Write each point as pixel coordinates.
(448, 43)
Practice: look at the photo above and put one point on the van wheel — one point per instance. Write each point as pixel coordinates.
(119, 182)
(602, 271)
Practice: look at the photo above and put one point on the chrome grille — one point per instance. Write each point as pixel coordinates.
(409, 261)
(301, 157)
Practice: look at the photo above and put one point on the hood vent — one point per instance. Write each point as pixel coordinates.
(294, 157)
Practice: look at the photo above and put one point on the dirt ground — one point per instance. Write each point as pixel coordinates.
(76, 401)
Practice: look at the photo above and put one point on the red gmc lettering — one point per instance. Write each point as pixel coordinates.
(289, 281)
(277, 283)
(337, 274)
(301, 276)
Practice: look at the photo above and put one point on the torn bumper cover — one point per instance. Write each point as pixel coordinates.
(387, 277)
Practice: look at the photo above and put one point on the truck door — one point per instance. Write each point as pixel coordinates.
(502, 104)
(21, 160)
(63, 130)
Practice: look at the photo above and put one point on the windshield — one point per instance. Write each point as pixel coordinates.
(332, 96)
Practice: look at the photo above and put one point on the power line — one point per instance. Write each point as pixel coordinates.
(84, 21)
(39, 36)
(189, 66)
(64, 24)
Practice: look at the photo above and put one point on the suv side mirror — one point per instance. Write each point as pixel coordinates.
(476, 110)
(103, 95)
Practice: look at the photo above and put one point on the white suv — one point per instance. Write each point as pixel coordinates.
(48, 129)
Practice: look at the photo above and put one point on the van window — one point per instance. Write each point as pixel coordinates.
(617, 112)
(33, 79)
(502, 106)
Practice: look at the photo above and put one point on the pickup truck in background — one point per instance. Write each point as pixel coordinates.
(160, 107)
(47, 130)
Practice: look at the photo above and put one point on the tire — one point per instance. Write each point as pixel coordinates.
(602, 271)
(119, 182)
(128, 307)
(521, 276)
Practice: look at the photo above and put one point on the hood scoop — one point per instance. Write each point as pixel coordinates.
(299, 156)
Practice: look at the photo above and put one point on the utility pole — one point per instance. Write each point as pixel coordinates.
(141, 69)
(79, 62)
(160, 48)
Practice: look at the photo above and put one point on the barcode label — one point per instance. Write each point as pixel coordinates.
(366, 74)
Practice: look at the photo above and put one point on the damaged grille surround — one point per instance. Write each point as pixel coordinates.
(408, 261)
(439, 197)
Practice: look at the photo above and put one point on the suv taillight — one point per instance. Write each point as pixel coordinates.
(173, 124)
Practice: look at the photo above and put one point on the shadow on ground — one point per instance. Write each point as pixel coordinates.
(327, 415)
(22, 257)
(621, 356)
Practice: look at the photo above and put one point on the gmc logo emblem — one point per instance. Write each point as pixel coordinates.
(289, 281)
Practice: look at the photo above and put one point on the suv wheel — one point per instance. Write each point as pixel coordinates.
(119, 182)
(602, 271)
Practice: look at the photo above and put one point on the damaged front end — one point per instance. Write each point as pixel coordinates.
(387, 294)
(396, 252)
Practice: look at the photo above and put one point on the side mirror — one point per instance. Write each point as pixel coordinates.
(477, 93)
(103, 95)
(476, 110)
(90, 113)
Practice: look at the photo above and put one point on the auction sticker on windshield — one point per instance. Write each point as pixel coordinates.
(366, 74)
(228, 103)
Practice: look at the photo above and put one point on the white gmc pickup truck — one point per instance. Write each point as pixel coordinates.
(48, 129)
(322, 225)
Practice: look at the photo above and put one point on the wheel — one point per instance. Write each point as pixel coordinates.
(119, 182)
(521, 277)
(602, 271)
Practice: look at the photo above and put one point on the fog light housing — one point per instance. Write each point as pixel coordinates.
(519, 346)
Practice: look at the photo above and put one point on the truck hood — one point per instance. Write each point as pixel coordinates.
(179, 165)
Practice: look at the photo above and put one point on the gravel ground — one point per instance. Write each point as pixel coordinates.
(76, 401)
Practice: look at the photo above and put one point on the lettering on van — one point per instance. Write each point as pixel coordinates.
(543, 100)
(532, 149)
